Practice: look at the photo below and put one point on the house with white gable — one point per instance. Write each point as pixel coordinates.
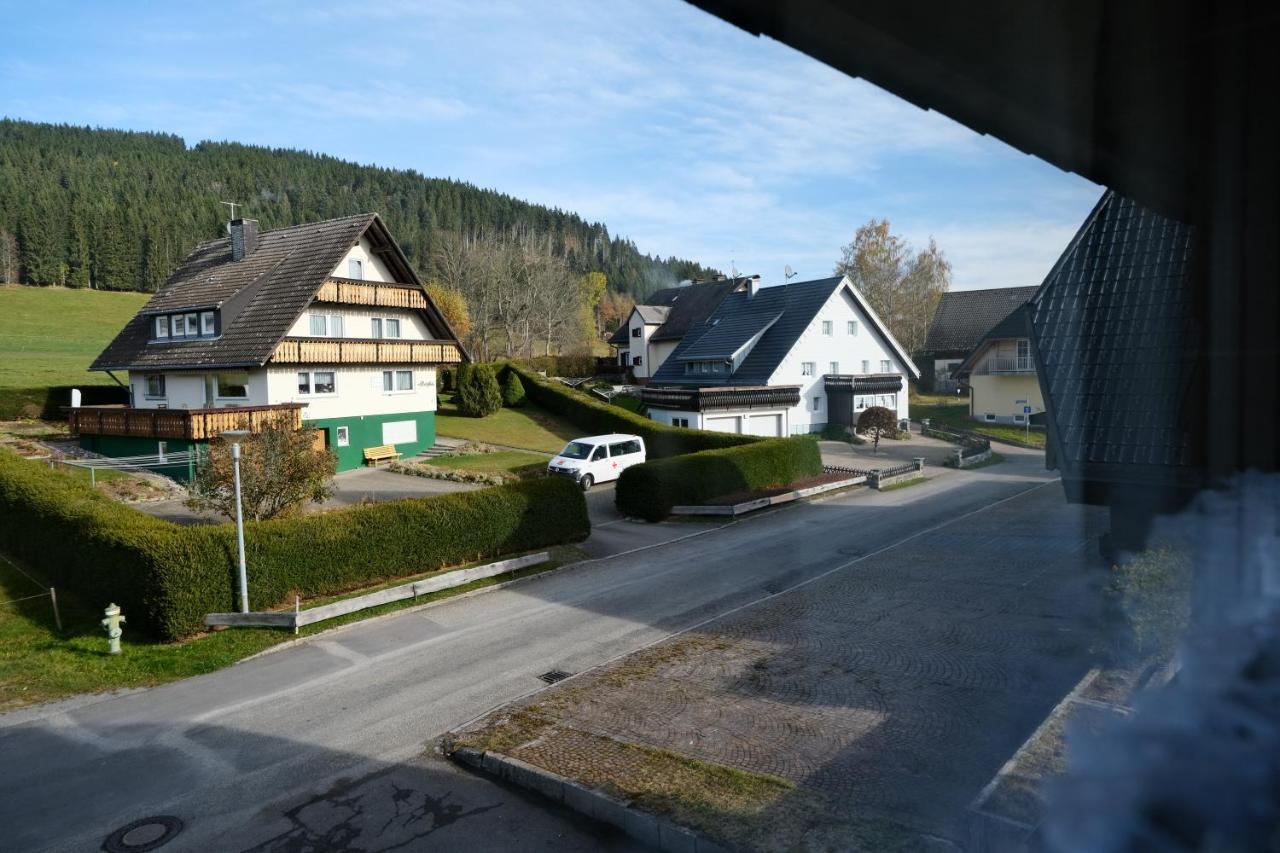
(324, 325)
(782, 360)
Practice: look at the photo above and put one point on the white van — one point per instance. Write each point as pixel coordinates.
(597, 458)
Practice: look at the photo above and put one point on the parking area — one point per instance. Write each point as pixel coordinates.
(891, 452)
(884, 695)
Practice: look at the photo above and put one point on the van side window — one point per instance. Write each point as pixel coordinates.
(624, 448)
(599, 454)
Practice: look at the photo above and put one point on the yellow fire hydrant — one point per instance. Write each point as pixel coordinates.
(112, 623)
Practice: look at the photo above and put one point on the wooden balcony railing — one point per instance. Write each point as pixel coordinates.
(348, 291)
(191, 424)
(364, 351)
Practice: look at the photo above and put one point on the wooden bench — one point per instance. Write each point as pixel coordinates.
(381, 453)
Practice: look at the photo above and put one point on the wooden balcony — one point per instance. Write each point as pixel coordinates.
(364, 351)
(348, 291)
(191, 424)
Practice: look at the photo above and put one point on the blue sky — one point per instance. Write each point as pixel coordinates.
(675, 129)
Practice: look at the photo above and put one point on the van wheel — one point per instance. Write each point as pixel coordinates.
(587, 481)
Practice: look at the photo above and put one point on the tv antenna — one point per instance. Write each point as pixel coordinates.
(733, 270)
(788, 273)
(233, 205)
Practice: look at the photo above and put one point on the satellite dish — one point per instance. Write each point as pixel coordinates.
(789, 273)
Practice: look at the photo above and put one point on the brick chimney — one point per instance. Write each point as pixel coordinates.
(244, 238)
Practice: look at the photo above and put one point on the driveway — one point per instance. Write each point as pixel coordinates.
(892, 452)
(326, 744)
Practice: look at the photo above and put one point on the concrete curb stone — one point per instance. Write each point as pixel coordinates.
(640, 825)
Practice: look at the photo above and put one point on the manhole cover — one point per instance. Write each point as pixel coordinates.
(148, 833)
(554, 675)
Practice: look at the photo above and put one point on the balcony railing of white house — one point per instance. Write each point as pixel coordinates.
(997, 365)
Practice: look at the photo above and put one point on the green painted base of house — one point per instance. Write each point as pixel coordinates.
(371, 431)
(130, 445)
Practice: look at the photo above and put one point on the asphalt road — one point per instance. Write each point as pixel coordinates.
(327, 744)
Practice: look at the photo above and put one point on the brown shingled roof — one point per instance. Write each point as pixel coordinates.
(260, 296)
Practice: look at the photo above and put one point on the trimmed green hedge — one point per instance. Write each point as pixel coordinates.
(47, 402)
(167, 577)
(595, 417)
(649, 491)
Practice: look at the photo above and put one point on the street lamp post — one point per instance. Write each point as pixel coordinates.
(235, 465)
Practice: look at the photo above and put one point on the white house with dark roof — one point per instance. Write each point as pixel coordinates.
(782, 360)
(656, 326)
(324, 324)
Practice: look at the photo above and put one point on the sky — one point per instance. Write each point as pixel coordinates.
(675, 129)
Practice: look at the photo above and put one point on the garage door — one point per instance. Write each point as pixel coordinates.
(724, 424)
(770, 425)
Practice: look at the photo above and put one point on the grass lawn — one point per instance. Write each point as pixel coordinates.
(39, 664)
(904, 484)
(528, 427)
(948, 410)
(50, 335)
(631, 404)
(517, 462)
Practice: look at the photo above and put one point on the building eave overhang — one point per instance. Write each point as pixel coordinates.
(701, 399)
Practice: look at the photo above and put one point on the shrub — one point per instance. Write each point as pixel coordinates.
(649, 491)
(573, 366)
(479, 396)
(167, 577)
(877, 421)
(447, 375)
(513, 391)
(594, 416)
(280, 472)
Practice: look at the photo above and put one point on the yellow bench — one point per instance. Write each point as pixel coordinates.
(381, 453)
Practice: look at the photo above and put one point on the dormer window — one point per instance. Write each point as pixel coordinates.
(179, 325)
(162, 327)
(184, 326)
(355, 268)
(206, 323)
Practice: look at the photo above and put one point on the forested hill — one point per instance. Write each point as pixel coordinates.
(117, 210)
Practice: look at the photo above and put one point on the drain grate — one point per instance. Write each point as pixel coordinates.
(554, 675)
(142, 835)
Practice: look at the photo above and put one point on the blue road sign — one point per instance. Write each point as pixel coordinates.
(1026, 410)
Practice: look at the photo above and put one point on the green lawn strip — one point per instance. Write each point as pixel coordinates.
(957, 415)
(50, 335)
(519, 462)
(37, 664)
(902, 484)
(626, 401)
(529, 427)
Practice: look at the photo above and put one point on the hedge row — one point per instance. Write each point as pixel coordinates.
(649, 491)
(596, 417)
(167, 577)
(48, 402)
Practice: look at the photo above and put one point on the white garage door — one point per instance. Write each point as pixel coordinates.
(770, 425)
(730, 424)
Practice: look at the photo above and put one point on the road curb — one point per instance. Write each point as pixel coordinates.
(588, 802)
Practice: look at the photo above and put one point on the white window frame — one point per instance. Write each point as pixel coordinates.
(886, 366)
(375, 327)
(807, 368)
(387, 328)
(315, 384)
(1018, 418)
(852, 328)
(176, 322)
(148, 393)
(988, 416)
(391, 381)
(835, 367)
(828, 328)
(160, 329)
(207, 325)
(311, 383)
(355, 269)
(304, 382)
(343, 436)
(680, 422)
(817, 404)
(319, 325)
(866, 366)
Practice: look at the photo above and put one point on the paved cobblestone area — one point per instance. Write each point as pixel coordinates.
(892, 690)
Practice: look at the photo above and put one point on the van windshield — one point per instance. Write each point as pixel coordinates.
(577, 450)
